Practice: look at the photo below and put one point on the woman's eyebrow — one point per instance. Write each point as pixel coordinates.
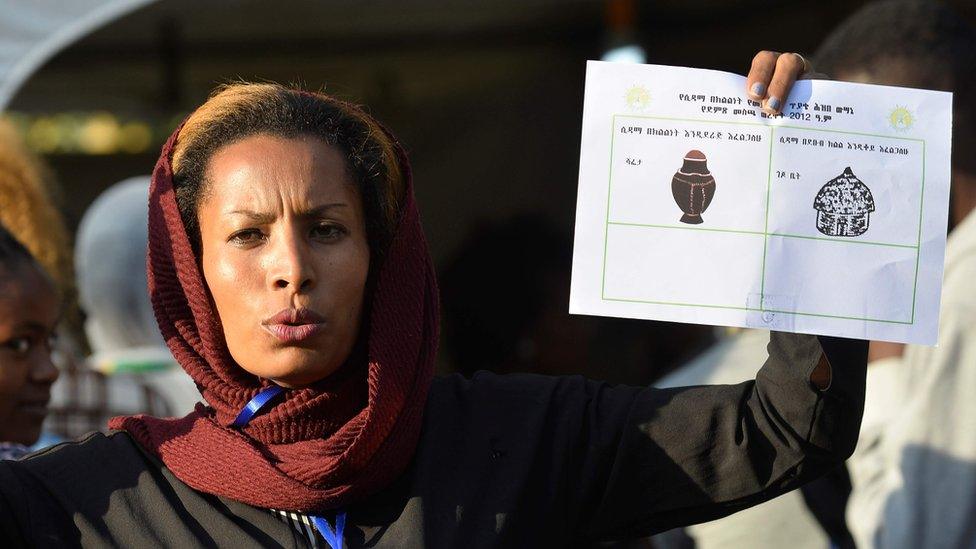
(319, 211)
(268, 217)
(257, 217)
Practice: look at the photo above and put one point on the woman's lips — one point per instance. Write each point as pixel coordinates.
(293, 334)
(291, 326)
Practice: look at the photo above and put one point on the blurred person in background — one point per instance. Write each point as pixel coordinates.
(28, 210)
(914, 470)
(30, 308)
(500, 294)
(504, 299)
(110, 261)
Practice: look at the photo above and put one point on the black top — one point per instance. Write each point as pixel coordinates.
(517, 460)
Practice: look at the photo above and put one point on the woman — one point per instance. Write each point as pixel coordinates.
(290, 278)
(29, 311)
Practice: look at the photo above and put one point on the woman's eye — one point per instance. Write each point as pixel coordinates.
(247, 236)
(19, 345)
(328, 231)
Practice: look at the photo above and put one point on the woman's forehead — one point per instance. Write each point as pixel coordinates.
(262, 173)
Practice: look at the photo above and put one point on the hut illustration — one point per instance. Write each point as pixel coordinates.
(844, 206)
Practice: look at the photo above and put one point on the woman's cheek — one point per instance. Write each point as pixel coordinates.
(228, 270)
(233, 289)
(237, 271)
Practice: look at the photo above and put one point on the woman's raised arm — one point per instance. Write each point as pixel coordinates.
(693, 454)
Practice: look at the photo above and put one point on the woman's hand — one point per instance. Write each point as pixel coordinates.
(772, 77)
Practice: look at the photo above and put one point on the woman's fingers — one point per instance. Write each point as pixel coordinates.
(789, 67)
(761, 74)
(772, 76)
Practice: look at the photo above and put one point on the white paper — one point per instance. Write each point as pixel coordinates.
(862, 261)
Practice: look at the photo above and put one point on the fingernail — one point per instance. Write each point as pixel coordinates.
(758, 89)
(773, 103)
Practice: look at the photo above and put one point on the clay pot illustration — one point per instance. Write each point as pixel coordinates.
(693, 187)
(844, 206)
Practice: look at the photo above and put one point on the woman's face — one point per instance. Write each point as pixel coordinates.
(285, 255)
(29, 312)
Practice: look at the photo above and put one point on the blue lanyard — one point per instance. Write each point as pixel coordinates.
(255, 405)
(332, 537)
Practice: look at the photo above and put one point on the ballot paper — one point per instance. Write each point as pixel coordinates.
(695, 206)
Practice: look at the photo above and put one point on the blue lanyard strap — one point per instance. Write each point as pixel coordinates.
(255, 405)
(332, 537)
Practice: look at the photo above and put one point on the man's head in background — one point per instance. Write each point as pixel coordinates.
(919, 44)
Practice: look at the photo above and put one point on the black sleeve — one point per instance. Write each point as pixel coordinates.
(662, 458)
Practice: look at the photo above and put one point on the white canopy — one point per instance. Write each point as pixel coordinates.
(32, 31)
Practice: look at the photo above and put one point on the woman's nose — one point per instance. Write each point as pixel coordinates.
(43, 370)
(292, 266)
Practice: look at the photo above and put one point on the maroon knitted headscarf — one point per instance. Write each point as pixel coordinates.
(316, 448)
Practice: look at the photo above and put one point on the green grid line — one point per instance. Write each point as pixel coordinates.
(769, 185)
(766, 234)
(863, 134)
(705, 229)
(918, 254)
(760, 233)
(868, 319)
(606, 225)
(737, 122)
(679, 304)
(753, 309)
(740, 123)
(842, 241)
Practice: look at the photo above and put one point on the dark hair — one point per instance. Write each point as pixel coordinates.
(929, 44)
(13, 254)
(237, 111)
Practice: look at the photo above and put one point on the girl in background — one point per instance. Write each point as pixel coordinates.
(29, 311)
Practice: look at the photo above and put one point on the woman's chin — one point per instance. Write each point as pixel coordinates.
(297, 371)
